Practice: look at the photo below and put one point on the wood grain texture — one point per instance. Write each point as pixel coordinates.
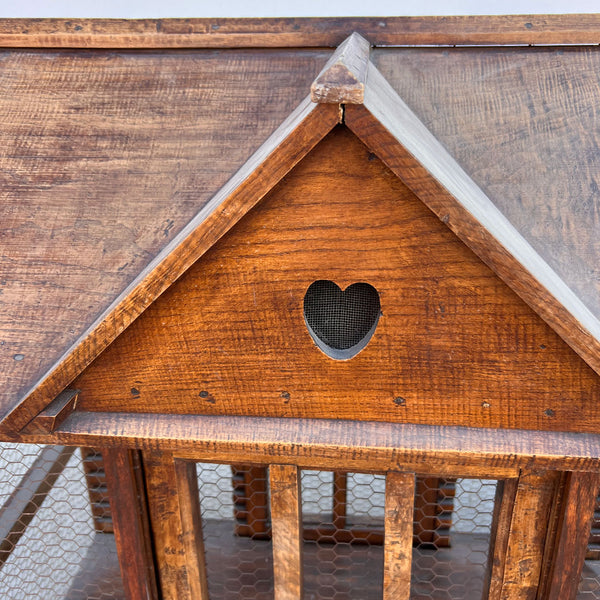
(317, 32)
(286, 523)
(522, 123)
(388, 126)
(336, 444)
(192, 538)
(68, 285)
(399, 505)
(526, 537)
(168, 530)
(448, 335)
(56, 412)
(131, 522)
(577, 511)
(343, 76)
(506, 491)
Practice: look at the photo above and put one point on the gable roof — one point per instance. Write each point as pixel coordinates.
(351, 88)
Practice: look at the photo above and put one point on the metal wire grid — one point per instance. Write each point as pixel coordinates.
(61, 553)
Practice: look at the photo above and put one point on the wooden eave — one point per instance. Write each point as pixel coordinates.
(350, 89)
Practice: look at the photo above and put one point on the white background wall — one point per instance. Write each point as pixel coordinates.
(282, 8)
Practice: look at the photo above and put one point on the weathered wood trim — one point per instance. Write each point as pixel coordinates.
(393, 132)
(506, 491)
(131, 522)
(342, 79)
(288, 145)
(300, 32)
(527, 534)
(56, 412)
(335, 444)
(286, 524)
(572, 535)
(191, 523)
(168, 529)
(399, 509)
(21, 506)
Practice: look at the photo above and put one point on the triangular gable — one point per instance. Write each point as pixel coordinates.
(349, 88)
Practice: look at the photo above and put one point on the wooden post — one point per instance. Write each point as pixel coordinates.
(574, 520)
(522, 515)
(399, 508)
(172, 498)
(127, 496)
(286, 523)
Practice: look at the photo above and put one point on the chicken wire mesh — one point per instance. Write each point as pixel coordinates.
(51, 545)
(57, 542)
(342, 523)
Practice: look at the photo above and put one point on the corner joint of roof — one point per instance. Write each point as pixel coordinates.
(343, 79)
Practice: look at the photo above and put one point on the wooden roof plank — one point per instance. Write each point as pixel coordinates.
(296, 136)
(300, 32)
(393, 132)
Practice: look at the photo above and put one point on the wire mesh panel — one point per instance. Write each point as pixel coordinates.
(343, 533)
(50, 547)
(458, 568)
(236, 531)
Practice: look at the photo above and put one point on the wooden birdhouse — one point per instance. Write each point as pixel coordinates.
(346, 268)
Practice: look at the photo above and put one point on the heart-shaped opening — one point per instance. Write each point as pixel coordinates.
(341, 323)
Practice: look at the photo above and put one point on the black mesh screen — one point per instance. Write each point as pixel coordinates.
(341, 319)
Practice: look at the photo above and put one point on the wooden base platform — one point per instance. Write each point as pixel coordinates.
(239, 567)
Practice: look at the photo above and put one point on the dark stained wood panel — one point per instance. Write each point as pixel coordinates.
(105, 157)
(523, 123)
(229, 336)
(280, 32)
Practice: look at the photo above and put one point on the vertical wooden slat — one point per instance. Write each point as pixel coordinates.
(191, 521)
(521, 536)
(286, 524)
(251, 501)
(340, 500)
(577, 510)
(506, 491)
(131, 525)
(399, 508)
(172, 537)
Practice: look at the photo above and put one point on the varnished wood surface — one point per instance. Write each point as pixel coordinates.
(286, 524)
(573, 532)
(522, 123)
(336, 444)
(525, 537)
(388, 31)
(233, 338)
(169, 533)
(102, 173)
(398, 542)
(131, 522)
(192, 538)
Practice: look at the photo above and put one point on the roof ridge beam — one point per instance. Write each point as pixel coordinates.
(344, 77)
